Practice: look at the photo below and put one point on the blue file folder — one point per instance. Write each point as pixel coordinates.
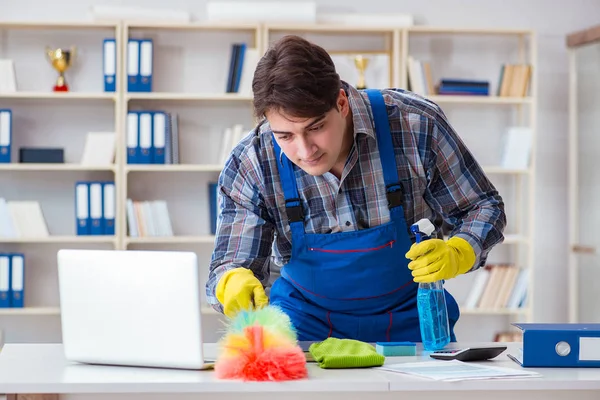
(17, 278)
(145, 137)
(133, 142)
(146, 65)
(82, 208)
(133, 65)
(5, 281)
(559, 345)
(96, 209)
(109, 60)
(212, 201)
(109, 207)
(159, 137)
(5, 135)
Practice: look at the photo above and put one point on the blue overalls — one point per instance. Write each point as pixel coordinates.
(355, 284)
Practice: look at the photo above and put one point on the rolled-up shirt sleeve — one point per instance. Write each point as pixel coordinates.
(460, 191)
(245, 231)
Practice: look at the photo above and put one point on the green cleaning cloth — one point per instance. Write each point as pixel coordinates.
(345, 353)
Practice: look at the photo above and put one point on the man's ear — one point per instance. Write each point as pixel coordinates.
(343, 104)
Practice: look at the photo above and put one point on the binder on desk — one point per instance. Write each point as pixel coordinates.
(133, 144)
(110, 65)
(159, 137)
(17, 279)
(82, 208)
(5, 135)
(146, 65)
(145, 138)
(559, 345)
(5, 281)
(133, 65)
(109, 208)
(96, 227)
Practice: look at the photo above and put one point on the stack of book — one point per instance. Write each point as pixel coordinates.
(148, 218)
(468, 87)
(498, 287)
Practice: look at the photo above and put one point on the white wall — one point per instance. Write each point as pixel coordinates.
(551, 20)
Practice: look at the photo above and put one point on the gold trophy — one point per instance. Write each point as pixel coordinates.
(61, 60)
(361, 64)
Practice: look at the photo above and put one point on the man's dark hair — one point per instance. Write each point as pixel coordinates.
(297, 77)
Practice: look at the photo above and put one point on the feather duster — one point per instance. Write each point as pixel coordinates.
(260, 345)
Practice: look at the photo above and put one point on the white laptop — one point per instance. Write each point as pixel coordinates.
(135, 308)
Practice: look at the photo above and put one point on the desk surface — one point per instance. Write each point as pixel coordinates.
(42, 368)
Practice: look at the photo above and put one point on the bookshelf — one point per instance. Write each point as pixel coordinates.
(190, 64)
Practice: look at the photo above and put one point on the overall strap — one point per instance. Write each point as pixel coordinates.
(393, 188)
(293, 203)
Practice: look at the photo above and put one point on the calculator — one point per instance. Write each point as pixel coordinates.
(469, 353)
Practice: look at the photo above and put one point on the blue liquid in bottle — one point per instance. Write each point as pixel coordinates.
(431, 301)
(433, 316)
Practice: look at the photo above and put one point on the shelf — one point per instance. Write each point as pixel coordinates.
(174, 168)
(466, 99)
(30, 311)
(210, 239)
(493, 311)
(59, 95)
(56, 25)
(206, 26)
(468, 31)
(330, 28)
(61, 239)
(188, 96)
(54, 167)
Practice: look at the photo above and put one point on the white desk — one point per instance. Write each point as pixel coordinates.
(41, 368)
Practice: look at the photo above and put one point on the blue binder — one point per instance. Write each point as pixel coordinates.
(5, 135)
(96, 209)
(82, 208)
(133, 143)
(145, 139)
(212, 197)
(110, 65)
(17, 279)
(146, 65)
(5, 281)
(133, 65)
(159, 137)
(559, 345)
(109, 207)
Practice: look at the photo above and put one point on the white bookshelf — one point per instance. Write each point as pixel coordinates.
(189, 73)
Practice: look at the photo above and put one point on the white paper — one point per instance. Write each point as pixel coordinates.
(454, 370)
(517, 148)
(99, 149)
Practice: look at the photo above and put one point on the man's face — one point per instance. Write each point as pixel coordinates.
(313, 144)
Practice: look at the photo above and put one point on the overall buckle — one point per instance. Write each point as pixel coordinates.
(395, 195)
(294, 212)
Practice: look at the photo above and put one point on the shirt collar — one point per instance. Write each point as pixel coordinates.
(361, 111)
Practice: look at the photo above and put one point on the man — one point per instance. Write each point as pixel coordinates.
(329, 182)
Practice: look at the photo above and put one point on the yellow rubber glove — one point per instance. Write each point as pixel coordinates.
(434, 259)
(238, 289)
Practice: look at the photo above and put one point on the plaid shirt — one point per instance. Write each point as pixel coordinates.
(441, 180)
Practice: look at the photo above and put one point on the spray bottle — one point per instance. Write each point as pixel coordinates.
(431, 301)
